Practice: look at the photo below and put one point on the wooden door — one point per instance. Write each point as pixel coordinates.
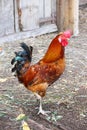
(32, 15)
(28, 14)
(47, 9)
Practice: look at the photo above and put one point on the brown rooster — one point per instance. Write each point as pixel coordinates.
(38, 77)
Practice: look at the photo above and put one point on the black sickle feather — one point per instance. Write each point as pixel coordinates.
(18, 58)
(21, 57)
(28, 50)
(12, 61)
(13, 69)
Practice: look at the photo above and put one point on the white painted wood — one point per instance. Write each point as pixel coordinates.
(6, 17)
(53, 10)
(22, 35)
(47, 8)
(53, 6)
(41, 8)
(16, 17)
(30, 14)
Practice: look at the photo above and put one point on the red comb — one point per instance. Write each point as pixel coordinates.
(67, 33)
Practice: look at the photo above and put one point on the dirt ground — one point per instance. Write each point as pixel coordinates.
(66, 98)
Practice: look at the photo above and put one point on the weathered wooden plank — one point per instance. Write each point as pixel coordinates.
(67, 15)
(53, 6)
(53, 10)
(16, 17)
(21, 35)
(41, 8)
(47, 19)
(74, 16)
(60, 14)
(29, 14)
(6, 17)
(47, 8)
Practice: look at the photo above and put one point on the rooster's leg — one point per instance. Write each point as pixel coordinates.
(40, 107)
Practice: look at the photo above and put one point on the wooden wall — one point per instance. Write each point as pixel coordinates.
(26, 18)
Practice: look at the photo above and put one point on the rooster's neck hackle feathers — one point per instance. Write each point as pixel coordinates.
(54, 51)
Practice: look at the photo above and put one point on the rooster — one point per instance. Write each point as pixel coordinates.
(38, 77)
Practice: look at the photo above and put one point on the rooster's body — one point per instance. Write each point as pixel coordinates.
(39, 76)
